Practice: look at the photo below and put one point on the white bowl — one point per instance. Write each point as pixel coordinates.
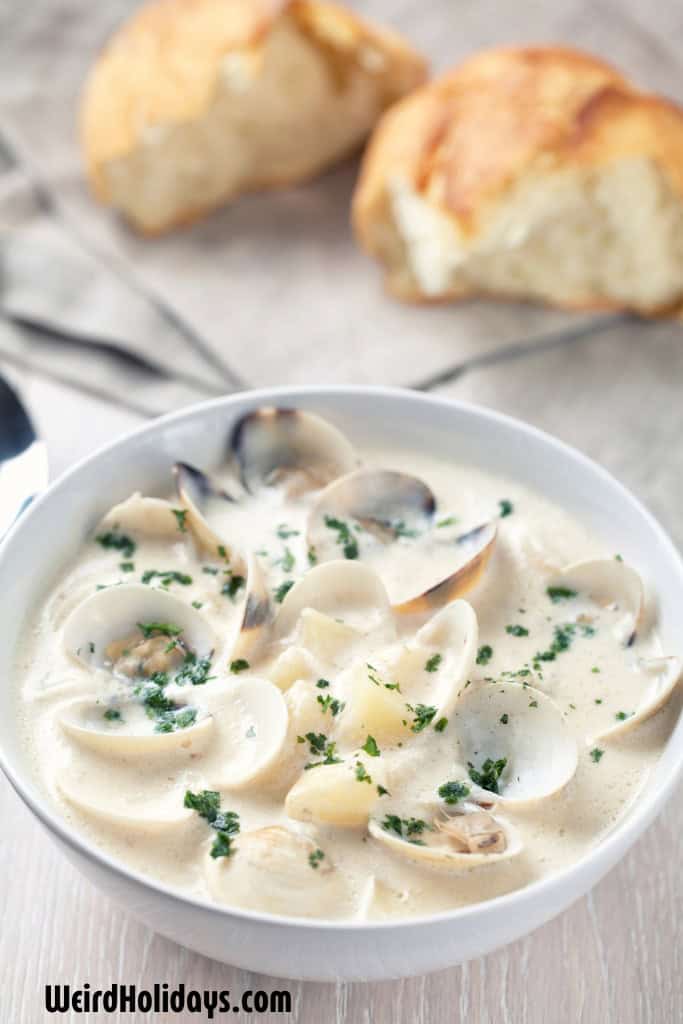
(50, 533)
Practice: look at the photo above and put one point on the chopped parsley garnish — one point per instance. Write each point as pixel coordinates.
(312, 556)
(517, 630)
(504, 719)
(315, 858)
(361, 773)
(222, 553)
(112, 715)
(194, 670)
(557, 594)
(284, 532)
(447, 521)
(233, 585)
(127, 566)
(168, 716)
(423, 713)
(344, 536)
(382, 791)
(598, 700)
(197, 605)
(318, 744)
(328, 702)
(288, 560)
(506, 508)
(370, 747)
(596, 754)
(432, 664)
(151, 629)
(115, 541)
(484, 654)
(533, 703)
(440, 725)
(562, 639)
(406, 828)
(167, 577)
(239, 665)
(282, 591)
(595, 669)
(180, 518)
(210, 570)
(226, 823)
(621, 716)
(322, 684)
(453, 792)
(488, 775)
(401, 530)
(392, 686)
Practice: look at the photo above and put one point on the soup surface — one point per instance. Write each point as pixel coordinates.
(343, 684)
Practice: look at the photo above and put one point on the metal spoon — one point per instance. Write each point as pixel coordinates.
(23, 458)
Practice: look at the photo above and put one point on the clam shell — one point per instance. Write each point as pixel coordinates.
(204, 500)
(114, 613)
(149, 517)
(521, 724)
(124, 810)
(662, 675)
(607, 582)
(345, 590)
(270, 870)
(83, 721)
(250, 723)
(439, 852)
(269, 440)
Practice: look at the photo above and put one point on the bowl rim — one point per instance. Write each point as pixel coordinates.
(626, 831)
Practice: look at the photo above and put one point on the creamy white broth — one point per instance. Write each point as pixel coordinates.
(132, 806)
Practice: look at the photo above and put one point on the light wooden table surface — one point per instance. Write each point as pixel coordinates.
(616, 957)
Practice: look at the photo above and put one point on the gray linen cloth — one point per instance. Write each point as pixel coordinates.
(271, 290)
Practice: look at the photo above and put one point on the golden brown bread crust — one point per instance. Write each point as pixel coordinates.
(162, 66)
(463, 141)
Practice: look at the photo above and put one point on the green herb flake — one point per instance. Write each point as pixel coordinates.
(447, 521)
(432, 664)
(621, 716)
(127, 566)
(166, 577)
(506, 508)
(423, 713)
(282, 591)
(112, 715)
(284, 532)
(596, 754)
(239, 665)
(484, 654)
(331, 704)
(517, 630)
(112, 540)
(315, 858)
(152, 629)
(312, 556)
(381, 791)
(180, 518)
(361, 773)
(489, 774)
(370, 747)
(454, 792)
(558, 594)
(322, 684)
(344, 536)
(504, 719)
(440, 725)
(233, 585)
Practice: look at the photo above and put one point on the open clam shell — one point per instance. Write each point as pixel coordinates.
(608, 583)
(384, 502)
(123, 808)
(204, 499)
(660, 677)
(280, 871)
(250, 720)
(255, 621)
(520, 726)
(108, 629)
(149, 517)
(336, 794)
(126, 731)
(360, 514)
(474, 550)
(341, 590)
(288, 448)
(469, 839)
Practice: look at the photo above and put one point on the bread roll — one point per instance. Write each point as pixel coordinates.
(534, 173)
(195, 101)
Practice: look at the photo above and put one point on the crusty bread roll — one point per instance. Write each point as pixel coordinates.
(195, 101)
(535, 173)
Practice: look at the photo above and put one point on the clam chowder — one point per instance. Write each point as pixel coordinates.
(344, 684)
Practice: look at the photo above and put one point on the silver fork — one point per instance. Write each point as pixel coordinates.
(23, 458)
